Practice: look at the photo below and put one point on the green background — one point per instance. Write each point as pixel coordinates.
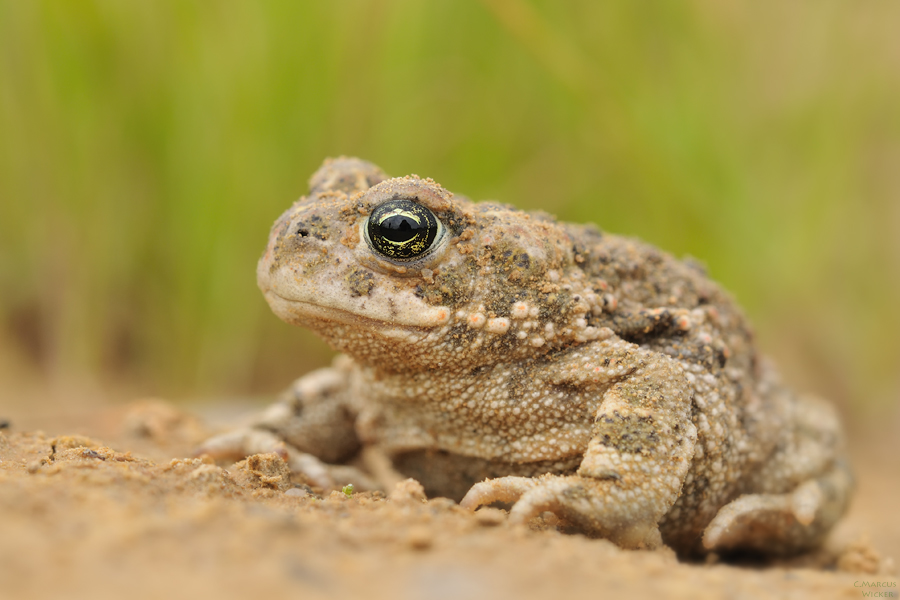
(146, 147)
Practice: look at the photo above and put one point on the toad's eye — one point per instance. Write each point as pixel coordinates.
(402, 230)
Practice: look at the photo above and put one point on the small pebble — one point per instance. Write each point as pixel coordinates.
(490, 517)
(296, 493)
(419, 538)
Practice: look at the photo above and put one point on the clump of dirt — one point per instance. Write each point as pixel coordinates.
(134, 518)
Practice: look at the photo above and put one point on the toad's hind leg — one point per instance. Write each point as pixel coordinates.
(640, 450)
(797, 495)
(782, 523)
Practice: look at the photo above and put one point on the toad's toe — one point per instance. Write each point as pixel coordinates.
(504, 489)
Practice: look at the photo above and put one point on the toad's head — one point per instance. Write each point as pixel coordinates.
(402, 274)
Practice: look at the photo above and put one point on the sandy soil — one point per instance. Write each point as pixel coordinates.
(123, 513)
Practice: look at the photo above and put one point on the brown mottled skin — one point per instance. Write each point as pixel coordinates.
(545, 365)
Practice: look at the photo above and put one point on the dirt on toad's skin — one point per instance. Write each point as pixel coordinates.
(129, 516)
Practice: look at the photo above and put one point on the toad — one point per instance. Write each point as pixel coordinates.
(501, 356)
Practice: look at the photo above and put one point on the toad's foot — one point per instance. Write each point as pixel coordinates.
(589, 504)
(781, 523)
(243, 442)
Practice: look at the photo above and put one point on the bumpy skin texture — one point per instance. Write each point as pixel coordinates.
(545, 365)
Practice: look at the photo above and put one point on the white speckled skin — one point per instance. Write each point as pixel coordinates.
(581, 373)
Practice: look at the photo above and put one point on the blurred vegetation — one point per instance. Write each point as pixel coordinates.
(146, 147)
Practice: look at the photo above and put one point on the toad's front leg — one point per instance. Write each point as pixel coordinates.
(312, 427)
(639, 454)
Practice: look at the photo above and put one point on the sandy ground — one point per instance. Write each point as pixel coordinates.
(104, 504)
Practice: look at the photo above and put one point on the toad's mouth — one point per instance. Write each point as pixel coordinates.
(311, 315)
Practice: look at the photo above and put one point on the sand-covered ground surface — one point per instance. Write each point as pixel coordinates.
(108, 503)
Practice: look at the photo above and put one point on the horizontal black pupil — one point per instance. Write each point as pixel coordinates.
(399, 228)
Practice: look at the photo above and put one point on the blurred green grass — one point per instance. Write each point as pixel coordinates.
(145, 148)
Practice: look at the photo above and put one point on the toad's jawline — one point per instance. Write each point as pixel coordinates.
(304, 312)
